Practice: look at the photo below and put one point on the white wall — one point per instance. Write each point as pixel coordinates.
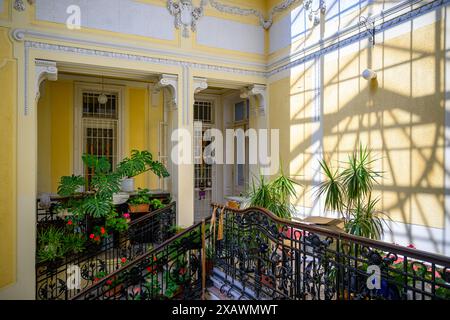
(124, 16)
(230, 35)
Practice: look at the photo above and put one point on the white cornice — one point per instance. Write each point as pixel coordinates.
(394, 16)
(22, 34)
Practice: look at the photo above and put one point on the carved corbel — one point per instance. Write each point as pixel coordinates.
(200, 84)
(45, 70)
(170, 83)
(260, 92)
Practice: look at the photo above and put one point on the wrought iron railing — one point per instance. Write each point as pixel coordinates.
(264, 257)
(63, 279)
(173, 270)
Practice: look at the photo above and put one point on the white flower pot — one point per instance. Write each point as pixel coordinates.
(120, 198)
(128, 185)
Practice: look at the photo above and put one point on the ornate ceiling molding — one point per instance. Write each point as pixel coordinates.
(266, 23)
(187, 15)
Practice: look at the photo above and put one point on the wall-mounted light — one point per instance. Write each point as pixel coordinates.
(369, 74)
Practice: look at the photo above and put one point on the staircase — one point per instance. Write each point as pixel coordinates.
(262, 257)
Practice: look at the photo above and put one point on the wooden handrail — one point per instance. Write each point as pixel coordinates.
(343, 236)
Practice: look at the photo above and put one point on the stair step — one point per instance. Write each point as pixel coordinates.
(223, 290)
(214, 293)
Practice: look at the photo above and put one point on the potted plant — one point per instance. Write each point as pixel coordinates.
(348, 191)
(156, 204)
(56, 243)
(51, 245)
(274, 195)
(138, 163)
(140, 203)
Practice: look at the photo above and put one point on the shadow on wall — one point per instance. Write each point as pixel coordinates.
(400, 116)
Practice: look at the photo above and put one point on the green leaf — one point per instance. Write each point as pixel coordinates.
(69, 185)
(97, 207)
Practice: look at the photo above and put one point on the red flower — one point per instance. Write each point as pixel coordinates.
(92, 236)
(102, 230)
(69, 222)
(96, 279)
(109, 282)
(412, 246)
(149, 269)
(97, 238)
(123, 260)
(182, 271)
(154, 259)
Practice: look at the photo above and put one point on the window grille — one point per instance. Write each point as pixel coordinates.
(203, 114)
(100, 128)
(203, 111)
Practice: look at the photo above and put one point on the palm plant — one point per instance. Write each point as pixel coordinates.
(274, 195)
(349, 192)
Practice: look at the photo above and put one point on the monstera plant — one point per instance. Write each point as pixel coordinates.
(104, 183)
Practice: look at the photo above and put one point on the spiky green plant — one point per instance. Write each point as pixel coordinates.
(274, 195)
(365, 220)
(349, 192)
(331, 188)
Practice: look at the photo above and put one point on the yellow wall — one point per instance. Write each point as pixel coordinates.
(400, 116)
(8, 102)
(55, 132)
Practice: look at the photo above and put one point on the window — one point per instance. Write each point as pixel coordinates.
(240, 171)
(203, 112)
(241, 111)
(98, 126)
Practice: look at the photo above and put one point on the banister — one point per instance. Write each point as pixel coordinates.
(138, 259)
(391, 248)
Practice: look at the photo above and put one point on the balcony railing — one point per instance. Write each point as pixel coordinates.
(265, 257)
(172, 270)
(63, 279)
(260, 256)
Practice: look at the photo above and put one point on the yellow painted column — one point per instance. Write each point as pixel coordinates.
(8, 104)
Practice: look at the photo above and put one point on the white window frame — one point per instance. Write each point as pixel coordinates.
(80, 88)
(246, 125)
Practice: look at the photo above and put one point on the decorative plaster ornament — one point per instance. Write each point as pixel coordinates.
(19, 5)
(186, 15)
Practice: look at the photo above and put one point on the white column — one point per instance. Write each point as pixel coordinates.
(257, 95)
(183, 173)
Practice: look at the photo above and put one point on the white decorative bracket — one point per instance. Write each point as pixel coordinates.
(200, 84)
(170, 82)
(259, 91)
(45, 70)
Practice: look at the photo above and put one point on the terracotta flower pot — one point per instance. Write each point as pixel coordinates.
(139, 208)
